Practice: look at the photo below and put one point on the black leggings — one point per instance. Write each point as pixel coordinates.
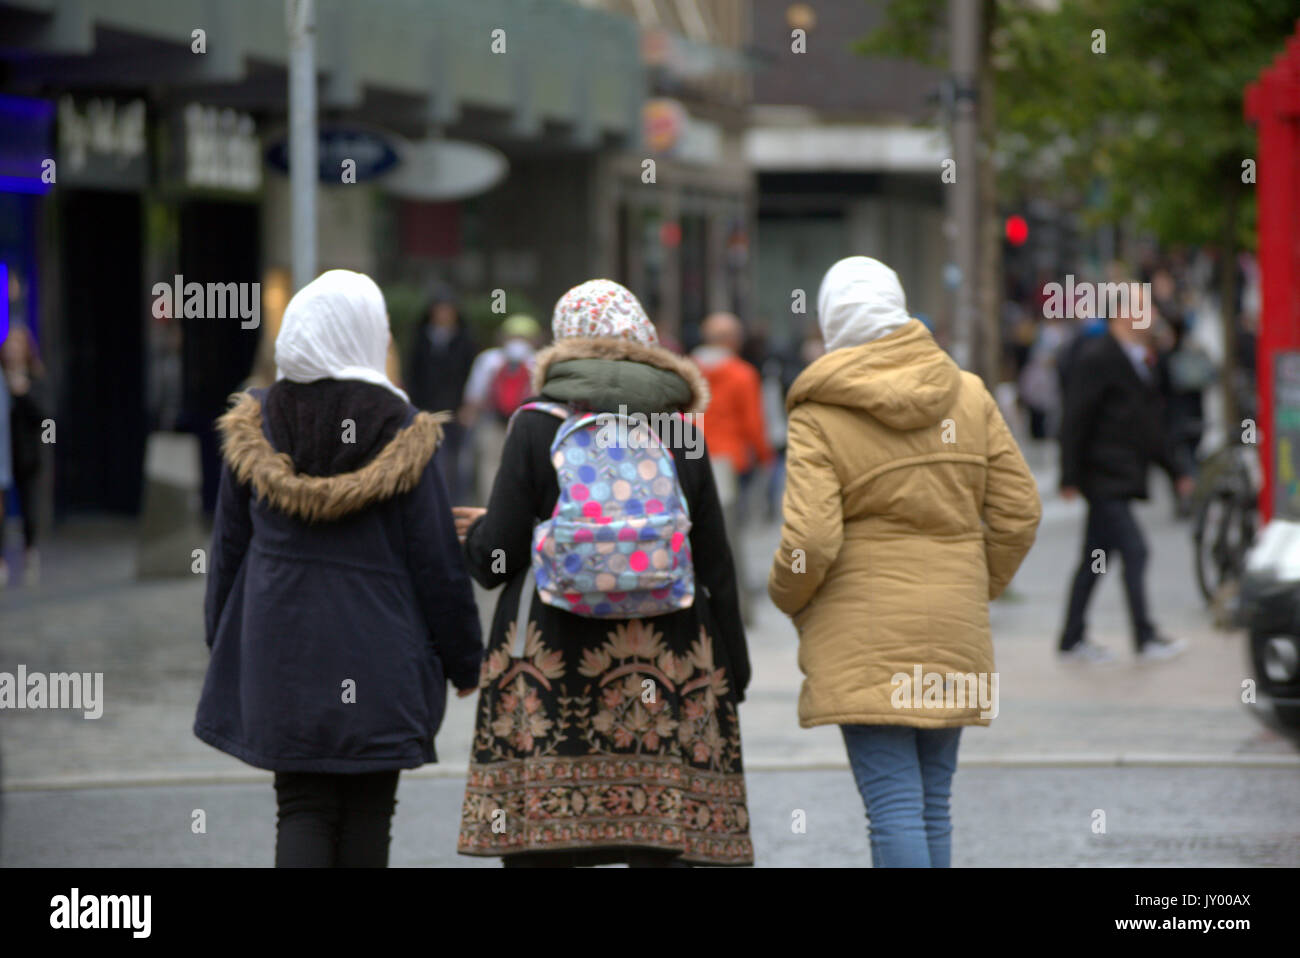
(1110, 528)
(333, 821)
(25, 486)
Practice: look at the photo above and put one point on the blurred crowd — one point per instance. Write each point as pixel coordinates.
(1193, 375)
(444, 367)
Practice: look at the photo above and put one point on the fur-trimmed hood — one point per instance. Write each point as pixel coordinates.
(396, 469)
(626, 350)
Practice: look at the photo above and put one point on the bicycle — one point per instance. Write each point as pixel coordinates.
(1226, 519)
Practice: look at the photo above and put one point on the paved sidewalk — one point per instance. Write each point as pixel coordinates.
(90, 615)
(1185, 710)
(1183, 773)
(1001, 818)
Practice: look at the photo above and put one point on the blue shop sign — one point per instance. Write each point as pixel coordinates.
(26, 145)
(343, 152)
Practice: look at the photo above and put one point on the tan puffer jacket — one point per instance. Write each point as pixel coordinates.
(907, 508)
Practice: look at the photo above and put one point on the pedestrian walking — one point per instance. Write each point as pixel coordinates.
(607, 726)
(908, 507)
(734, 428)
(499, 381)
(29, 408)
(338, 604)
(774, 387)
(6, 471)
(1040, 382)
(437, 369)
(1184, 372)
(1112, 430)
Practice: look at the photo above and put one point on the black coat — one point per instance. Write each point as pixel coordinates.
(564, 742)
(1112, 425)
(436, 375)
(333, 576)
(499, 544)
(26, 415)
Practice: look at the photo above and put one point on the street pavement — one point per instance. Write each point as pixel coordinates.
(1003, 817)
(1185, 774)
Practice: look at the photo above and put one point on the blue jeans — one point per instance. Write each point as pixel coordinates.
(905, 777)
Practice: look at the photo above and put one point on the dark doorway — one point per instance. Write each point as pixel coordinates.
(694, 259)
(220, 243)
(99, 448)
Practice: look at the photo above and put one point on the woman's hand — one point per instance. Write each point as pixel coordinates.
(466, 693)
(465, 517)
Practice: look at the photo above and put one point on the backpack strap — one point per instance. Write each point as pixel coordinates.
(558, 410)
(524, 613)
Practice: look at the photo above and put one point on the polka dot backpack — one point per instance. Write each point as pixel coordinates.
(617, 545)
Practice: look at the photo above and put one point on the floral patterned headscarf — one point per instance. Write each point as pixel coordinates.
(601, 307)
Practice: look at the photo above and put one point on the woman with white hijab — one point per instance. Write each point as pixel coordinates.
(338, 605)
(907, 508)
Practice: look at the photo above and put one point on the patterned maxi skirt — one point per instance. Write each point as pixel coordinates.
(629, 741)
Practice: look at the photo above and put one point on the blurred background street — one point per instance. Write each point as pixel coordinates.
(715, 157)
(1185, 775)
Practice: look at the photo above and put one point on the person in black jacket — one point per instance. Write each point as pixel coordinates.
(437, 369)
(602, 740)
(28, 410)
(338, 604)
(1112, 429)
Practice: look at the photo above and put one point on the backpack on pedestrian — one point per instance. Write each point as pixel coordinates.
(510, 386)
(617, 544)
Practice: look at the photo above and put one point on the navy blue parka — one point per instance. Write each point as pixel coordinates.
(338, 603)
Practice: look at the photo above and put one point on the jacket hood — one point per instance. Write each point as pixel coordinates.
(396, 468)
(305, 421)
(903, 379)
(860, 300)
(602, 373)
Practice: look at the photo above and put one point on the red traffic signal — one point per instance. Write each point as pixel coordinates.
(1017, 230)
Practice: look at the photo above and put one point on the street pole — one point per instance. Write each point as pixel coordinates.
(301, 20)
(964, 45)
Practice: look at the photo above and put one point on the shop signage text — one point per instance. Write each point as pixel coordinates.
(102, 143)
(221, 150)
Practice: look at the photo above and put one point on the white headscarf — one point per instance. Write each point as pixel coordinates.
(860, 300)
(335, 327)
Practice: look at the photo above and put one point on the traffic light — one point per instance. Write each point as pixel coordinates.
(1016, 230)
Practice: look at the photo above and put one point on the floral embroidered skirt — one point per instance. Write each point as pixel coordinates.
(625, 743)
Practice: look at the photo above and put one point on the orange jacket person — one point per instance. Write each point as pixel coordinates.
(734, 428)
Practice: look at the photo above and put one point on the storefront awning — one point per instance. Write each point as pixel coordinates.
(559, 68)
(846, 148)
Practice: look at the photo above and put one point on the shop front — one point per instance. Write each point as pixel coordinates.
(96, 330)
(680, 218)
(212, 189)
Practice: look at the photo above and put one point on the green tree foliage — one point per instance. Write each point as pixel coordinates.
(1152, 128)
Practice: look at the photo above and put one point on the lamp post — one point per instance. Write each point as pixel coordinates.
(964, 30)
(300, 18)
